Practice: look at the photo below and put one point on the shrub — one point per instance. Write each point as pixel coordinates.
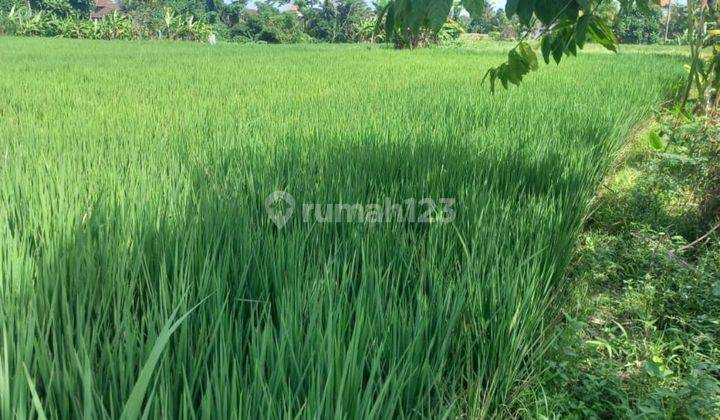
(112, 26)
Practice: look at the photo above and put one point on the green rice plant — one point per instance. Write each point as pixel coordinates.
(133, 180)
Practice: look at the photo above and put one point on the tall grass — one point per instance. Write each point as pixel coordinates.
(141, 275)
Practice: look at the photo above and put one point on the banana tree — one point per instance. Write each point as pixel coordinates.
(12, 21)
(32, 26)
(67, 28)
(189, 29)
(115, 26)
(170, 24)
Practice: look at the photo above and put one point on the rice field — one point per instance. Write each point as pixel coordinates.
(141, 273)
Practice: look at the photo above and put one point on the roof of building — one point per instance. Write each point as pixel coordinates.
(104, 8)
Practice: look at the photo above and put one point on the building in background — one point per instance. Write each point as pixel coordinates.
(104, 8)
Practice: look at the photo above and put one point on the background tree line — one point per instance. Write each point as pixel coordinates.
(284, 21)
(631, 26)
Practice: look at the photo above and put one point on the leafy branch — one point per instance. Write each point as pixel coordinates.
(566, 26)
(566, 29)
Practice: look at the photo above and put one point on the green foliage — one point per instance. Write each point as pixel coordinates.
(63, 8)
(154, 200)
(115, 26)
(112, 26)
(327, 21)
(607, 10)
(642, 338)
(693, 159)
(451, 30)
(655, 140)
(677, 30)
(496, 24)
(365, 31)
(183, 27)
(59, 8)
(564, 27)
(521, 60)
(564, 39)
(7, 5)
(133, 406)
(567, 27)
(324, 21)
(635, 27)
(268, 25)
(411, 23)
(335, 20)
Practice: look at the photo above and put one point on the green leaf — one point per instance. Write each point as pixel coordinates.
(403, 7)
(572, 46)
(415, 13)
(644, 5)
(572, 10)
(528, 55)
(35, 397)
(382, 13)
(516, 68)
(557, 49)
(492, 74)
(548, 11)
(581, 30)
(525, 11)
(502, 75)
(602, 343)
(390, 20)
(546, 47)
(652, 368)
(655, 368)
(511, 7)
(133, 406)
(475, 7)
(521, 60)
(438, 12)
(655, 140)
(602, 34)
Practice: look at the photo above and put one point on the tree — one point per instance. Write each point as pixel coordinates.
(505, 28)
(231, 13)
(496, 23)
(333, 20)
(268, 24)
(7, 5)
(607, 10)
(59, 8)
(676, 23)
(635, 27)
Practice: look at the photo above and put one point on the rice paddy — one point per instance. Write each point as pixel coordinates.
(141, 274)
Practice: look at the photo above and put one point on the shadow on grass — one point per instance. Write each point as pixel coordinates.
(400, 318)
